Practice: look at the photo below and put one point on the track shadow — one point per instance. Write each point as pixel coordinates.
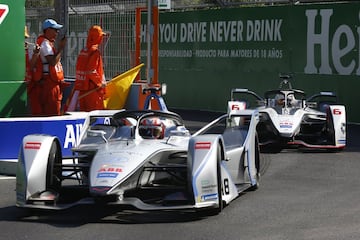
(353, 138)
(85, 214)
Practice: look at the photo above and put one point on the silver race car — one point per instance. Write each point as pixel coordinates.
(143, 158)
(290, 120)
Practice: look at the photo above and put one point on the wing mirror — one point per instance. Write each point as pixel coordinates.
(97, 133)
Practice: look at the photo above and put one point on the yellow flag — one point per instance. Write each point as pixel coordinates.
(117, 89)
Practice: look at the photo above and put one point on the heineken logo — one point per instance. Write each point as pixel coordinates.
(4, 9)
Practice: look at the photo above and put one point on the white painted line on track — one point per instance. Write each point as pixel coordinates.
(2, 177)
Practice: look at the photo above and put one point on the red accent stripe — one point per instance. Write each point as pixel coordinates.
(202, 145)
(32, 145)
(302, 143)
(99, 189)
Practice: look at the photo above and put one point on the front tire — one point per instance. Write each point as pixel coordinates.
(257, 165)
(330, 128)
(53, 172)
(221, 205)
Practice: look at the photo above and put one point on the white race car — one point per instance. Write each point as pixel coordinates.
(289, 120)
(143, 158)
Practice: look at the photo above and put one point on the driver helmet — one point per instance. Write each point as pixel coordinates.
(151, 128)
(291, 99)
(280, 100)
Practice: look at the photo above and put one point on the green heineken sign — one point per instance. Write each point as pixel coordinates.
(204, 54)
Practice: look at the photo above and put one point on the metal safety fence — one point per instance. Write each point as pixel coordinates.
(115, 17)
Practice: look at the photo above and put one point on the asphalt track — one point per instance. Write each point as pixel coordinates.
(302, 195)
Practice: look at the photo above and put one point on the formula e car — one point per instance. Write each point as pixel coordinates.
(290, 120)
(143, 158)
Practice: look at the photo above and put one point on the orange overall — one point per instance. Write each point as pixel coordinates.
(47, 83)
(90, 78)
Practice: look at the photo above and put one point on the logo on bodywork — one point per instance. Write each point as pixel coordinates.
(286, 124)
(110, 169)
(109, 172)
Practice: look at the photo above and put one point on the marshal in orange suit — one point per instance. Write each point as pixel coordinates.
(90, 79)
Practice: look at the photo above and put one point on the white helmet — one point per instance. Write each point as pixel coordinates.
(151, 128)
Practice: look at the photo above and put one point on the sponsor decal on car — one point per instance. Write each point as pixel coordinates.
(286, 124)
(203, 145)
(110, 169)
(209, 197)
(33, 145)
(107, 175)
(109, 172)
(207, 187)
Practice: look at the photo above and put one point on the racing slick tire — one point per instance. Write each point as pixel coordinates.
(257, 165)
(219, 183)
(330, 131)
(54, 172)
(218, 210)
(271, 148)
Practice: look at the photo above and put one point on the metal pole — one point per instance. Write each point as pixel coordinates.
(62, 16)
(150, 31)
